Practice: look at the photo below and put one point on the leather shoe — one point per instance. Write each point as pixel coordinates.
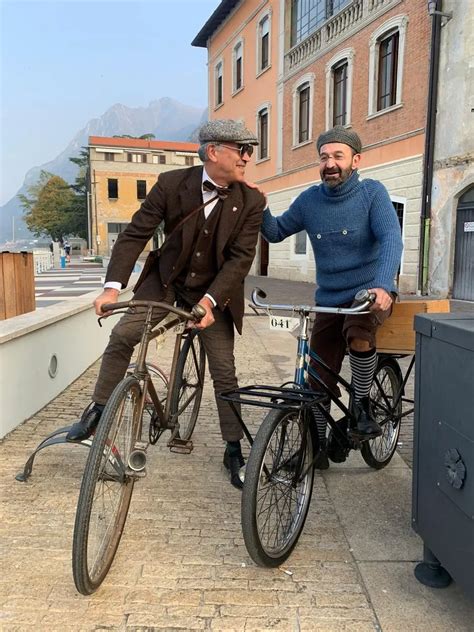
(321, 461)
(233, 464)
(366, 424)
(86, 425)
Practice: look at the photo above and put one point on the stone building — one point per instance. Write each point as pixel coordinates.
(293, 68)
(450, 214)
(121, 173)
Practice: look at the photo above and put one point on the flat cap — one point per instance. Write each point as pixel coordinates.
(340, 134)
(226, 130)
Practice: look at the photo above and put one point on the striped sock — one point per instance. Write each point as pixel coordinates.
(363, 365)
(320, 419)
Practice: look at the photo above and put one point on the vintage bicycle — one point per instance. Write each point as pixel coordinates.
(280, 469)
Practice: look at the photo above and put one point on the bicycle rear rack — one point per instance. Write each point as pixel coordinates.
(280, 397)
(272, 396)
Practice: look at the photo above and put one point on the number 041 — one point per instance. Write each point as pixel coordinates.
(283, 323)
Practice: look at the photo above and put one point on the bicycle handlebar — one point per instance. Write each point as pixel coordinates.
(197, 311)
(364, 299)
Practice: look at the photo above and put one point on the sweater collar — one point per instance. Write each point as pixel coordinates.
(342, 189)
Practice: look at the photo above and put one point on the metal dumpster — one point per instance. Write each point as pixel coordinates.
(443, 448)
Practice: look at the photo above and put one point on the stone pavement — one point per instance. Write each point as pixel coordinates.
(182, 563)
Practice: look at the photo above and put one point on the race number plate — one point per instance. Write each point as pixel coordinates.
(283, 323)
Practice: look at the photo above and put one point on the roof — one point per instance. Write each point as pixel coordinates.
(139, 143)
(213, 23)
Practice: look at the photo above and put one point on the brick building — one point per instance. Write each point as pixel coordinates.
(121, 173)
(293, 68)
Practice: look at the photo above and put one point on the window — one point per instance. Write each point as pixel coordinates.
(116, 227)
(238, 67)
(302, 109)
(141, 189)
(159, 159)
(109, 156)
(308, 15)
(399, 206)
(189, 161)
(340, 94)
(263, 44)
(388, 66)
(386, 55)
(136, 157)
(339, 72)
(303, 117)
(112, 185)
(262, 132)
(300, 243)
(219, 98)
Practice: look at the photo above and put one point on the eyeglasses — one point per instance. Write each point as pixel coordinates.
(246, 148)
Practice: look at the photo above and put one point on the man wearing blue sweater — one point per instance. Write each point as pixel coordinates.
(356, 239)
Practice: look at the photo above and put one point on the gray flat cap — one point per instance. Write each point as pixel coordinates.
(226, 130)
(340, 134)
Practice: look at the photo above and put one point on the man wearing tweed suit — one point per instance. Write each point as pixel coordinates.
(205, 261)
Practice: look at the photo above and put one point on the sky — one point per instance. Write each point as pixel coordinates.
(63, 62)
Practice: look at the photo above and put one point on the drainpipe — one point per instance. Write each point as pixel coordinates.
(425, 219)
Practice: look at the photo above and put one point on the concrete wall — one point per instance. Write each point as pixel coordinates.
(403, 179)
(454, 142)
(30, 344)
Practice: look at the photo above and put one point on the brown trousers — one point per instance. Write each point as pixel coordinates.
(218, 342)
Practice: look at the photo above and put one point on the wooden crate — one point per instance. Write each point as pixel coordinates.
(17, 284)
(397, 335)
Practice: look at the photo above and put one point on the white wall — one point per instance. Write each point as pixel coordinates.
(68, 330)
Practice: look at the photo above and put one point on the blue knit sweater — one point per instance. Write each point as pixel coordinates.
(354, 232)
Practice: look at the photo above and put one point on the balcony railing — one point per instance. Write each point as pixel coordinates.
(334, 29)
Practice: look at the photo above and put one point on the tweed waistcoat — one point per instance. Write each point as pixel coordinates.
(201, 266)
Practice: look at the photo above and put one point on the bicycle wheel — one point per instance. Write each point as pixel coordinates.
(187, 391)
(386, 386)
(150, 420)
(278, 486)
(106, 488)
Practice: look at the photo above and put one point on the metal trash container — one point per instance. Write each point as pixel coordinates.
(443, 449)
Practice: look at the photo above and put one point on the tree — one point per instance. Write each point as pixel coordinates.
(55, 207)
(142, 137)
(47, 213)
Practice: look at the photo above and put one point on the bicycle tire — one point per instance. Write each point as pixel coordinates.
(96, 537)
(187, 390)
(270, 537)
(378, 452)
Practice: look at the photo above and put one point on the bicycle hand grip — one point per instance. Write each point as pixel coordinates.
(198, 311)
(364, 295)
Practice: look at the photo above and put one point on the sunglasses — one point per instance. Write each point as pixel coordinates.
(246, 148)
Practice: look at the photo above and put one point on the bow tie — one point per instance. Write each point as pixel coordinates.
(222, 192)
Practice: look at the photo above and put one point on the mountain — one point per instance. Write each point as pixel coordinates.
(166, 118)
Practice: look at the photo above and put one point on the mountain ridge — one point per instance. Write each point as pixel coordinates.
(166, 118)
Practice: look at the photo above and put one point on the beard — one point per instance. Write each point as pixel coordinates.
(343, 175)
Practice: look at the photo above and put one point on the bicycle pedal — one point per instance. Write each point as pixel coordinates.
(181, 446)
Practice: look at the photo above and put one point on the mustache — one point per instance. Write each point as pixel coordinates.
(332, 171)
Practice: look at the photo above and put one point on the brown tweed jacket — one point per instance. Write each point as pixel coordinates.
(174, 196)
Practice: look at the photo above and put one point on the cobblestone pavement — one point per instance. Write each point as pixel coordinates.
(182, 563)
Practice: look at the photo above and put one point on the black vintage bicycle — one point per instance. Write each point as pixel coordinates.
(280, 469)
(142, 406)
